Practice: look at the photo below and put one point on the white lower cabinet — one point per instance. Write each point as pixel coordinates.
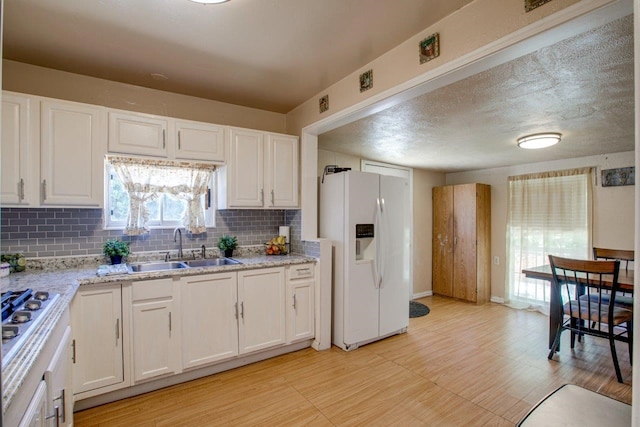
(36, 413)
(209, 318)
(97, 355)
(300, 302)
(261, 298)
(154, 330)
(59, 387)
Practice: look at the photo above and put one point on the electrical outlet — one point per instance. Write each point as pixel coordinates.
(496, 260)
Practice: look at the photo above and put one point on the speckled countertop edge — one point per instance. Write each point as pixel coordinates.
(67, 282)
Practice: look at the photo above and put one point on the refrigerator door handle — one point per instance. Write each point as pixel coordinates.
(383, 242)
(379, 244)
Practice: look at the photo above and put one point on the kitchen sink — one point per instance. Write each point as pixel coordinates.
(144, 267)
(211, 262)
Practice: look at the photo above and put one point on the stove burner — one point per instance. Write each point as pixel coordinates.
(9, 332)
(41, 296)
(21, 317)
(33, 305)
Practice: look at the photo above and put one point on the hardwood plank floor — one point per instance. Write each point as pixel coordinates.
(461, 365)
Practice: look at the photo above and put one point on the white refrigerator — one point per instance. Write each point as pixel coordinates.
(367, 216)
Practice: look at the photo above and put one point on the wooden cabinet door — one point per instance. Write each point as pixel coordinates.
(199, 141)
(465, 239)
(16, 180)
(97, 335)
(245, 180)
(282, 161)
(261, 295)
(138, 134)
(154, 349)
(442, 247)
(209, 320)
(71, 149)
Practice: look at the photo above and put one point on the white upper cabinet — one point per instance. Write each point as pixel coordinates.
(282, 171)
(261, 171)
(199, 141)
(135, 133)
(16, 181)
(71, 154)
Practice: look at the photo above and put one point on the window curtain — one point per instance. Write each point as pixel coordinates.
(144, 180)
(548, 213)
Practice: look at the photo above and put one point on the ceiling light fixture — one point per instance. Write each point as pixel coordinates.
(539, 140)
(209, 1)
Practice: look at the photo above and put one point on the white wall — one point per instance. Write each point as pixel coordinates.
(613, 214)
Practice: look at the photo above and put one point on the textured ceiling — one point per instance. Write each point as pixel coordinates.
(581, 87)
(266, 54)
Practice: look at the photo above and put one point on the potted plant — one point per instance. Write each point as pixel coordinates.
(227, 244)
(116, 250)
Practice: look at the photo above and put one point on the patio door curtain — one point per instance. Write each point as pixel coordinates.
(548, 213)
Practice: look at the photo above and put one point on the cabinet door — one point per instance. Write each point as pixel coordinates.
(301, 310)
(36, 413)
(245, 186)
(71, 148)
(154, 348)
(15, 180)
(57, 376)
(97, 337)
(282, 161)
(261, 295)
(199, 141)
(442, 242)
(137, 134)
(464, 254)
(209, 318)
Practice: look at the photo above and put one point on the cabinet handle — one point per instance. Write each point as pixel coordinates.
(236, 310)
(73, 351)
(262, 195)
(44, 190)
(21, 189)
(179, 142)
(164, 139)
(56, 415)
(272, 199)
(117, 330)
(62, 400)
(242, 310)
(169, 323)
(294, 301)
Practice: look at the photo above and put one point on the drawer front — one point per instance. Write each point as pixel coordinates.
(152, 289)
(300, 271)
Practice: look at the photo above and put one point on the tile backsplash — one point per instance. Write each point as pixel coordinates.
(40, 232)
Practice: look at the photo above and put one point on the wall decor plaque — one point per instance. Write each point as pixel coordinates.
(618, 176)
(529, 5)
(429, 48)
(324, 103)
(366, 80)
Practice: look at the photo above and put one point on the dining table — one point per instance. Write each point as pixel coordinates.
(543, 272)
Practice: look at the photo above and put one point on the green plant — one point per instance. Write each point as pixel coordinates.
(227, 242)
(115, 248)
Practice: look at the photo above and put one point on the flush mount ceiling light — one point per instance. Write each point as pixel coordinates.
(539, 140)
(209, 1)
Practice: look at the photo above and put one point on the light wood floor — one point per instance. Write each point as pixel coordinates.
(461, 365)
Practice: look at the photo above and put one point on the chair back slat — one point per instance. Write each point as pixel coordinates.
(612, 254)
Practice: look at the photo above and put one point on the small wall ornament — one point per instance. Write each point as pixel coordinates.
(429, 48)
(324, 103)
(366, 80)
(618, 176)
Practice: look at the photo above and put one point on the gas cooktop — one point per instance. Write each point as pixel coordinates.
(21, 312)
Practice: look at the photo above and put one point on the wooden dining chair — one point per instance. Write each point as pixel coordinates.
(585, 288)
(622, 255)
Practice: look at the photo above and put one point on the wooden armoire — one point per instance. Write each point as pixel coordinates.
(462, 242)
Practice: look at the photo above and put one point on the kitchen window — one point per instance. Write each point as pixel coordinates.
(142, 194)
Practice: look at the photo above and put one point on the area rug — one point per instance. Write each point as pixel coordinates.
(417, 309)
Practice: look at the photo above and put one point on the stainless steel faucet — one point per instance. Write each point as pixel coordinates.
(179, 232)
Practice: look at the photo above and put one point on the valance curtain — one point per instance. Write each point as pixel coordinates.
(145, 179)
(548, 213)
